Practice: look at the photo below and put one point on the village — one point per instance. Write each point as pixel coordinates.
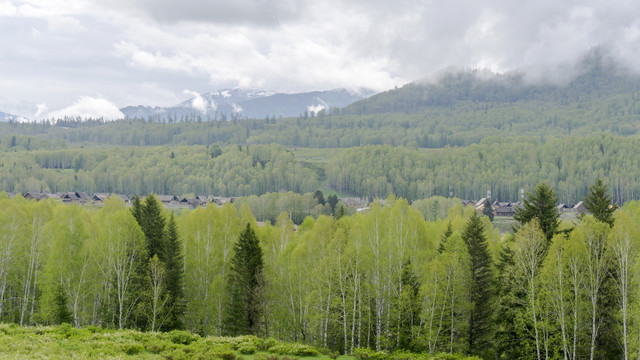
(498, 209)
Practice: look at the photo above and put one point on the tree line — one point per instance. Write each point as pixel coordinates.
(385, 279)
(502, 166)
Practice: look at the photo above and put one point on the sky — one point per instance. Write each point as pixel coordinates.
(91, 57)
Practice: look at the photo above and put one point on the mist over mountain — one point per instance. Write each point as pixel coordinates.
(595, 77)
(248, 103)
(4, 117)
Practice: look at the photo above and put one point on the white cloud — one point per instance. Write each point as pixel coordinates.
(88, 107)
(198, 102)
(315, 108)
(61, 49)
(41, 109)
(8, 9)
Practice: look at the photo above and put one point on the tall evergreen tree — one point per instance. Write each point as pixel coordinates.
(487, 210)
(152, 224)
(136, 209)
(245, 283)
(445, 237)
(540, 204)
(598, 202)
(62, 314)
(481, 287)
(174, 266)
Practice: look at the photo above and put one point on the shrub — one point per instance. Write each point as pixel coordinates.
(294, 349)
(368, 354)
(333, 355)
(132, 349)
(229, 355)
(265, 344)
(155, 347)
(247, 349)
(181, 337)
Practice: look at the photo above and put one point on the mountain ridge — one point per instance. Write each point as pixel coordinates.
(229, 104)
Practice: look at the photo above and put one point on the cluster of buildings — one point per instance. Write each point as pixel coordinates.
(508, 209)
(83, 198)
(504, 209)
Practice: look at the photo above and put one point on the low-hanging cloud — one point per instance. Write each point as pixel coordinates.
(294, 45)
(88, 108)
(199, 103)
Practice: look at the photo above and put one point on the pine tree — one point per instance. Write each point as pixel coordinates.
(319, 196)
(481, 287)
(62, 314)
(598, 202)
(174, 265)
(332, 200)
(486, 210)
(136, 209)
(445, 237)
(152, 224)
(245, 285)
(540, 204)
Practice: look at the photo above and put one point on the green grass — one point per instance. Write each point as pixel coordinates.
(67, 342)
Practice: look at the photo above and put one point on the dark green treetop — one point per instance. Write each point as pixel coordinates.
(540, 204)
(599, 203)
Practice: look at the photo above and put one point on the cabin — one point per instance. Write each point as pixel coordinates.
(580, 208)
(355, 202)
(505, 209)
(167, 199)
(99, 198)
(32, 195)
(49, 196)
(203, 199)
(222, 200)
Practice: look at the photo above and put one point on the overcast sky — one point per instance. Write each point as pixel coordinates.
(94, 56)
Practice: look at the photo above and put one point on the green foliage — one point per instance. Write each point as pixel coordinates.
(368, 354)
(181, 337)
(152, 224)
(293, 349)
(132, 349)
(247, 349)
(174, 264)
(62, 314)
(540, 204)
(598, 202)
(245, 283)
(481, 291)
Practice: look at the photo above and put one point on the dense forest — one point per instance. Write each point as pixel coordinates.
(502, 165)
(384, 280)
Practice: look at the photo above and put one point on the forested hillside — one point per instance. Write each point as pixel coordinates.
(459, 109)
(236, 171)
(502, 165)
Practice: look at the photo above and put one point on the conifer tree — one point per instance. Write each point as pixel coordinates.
(443, 241)
(540, 204)
(486, 210)
(152, 224)
(480, 288)
(62, 314)
(174, 265)
(598, 202)
(245, 283)
(136, 209)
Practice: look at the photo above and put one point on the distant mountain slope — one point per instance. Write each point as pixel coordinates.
(596, 78)
(4, 117)
(248, 103)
